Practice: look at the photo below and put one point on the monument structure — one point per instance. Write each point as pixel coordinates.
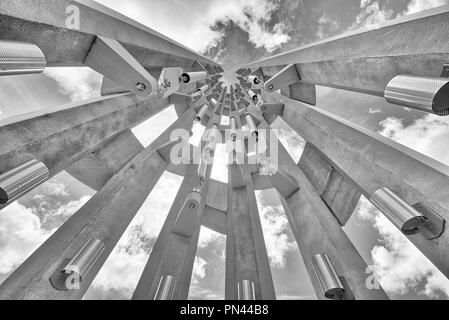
(405, 61)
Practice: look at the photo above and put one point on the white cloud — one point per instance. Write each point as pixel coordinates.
(371, 15)
(208, 236)
(21, 233)
(420, 5)
(77, 83)
(398, 265)
(275, 227)
(190, 22)
(199, 269)
(428, 135)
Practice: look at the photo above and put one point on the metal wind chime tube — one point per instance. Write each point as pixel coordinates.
(191, 77)
(327, 277)
(20, 58)
(246, 290)
(166, 288)
(19, 181)
(421, 93)
(200, 115)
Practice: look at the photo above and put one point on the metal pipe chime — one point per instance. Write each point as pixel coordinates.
(420, 93)
(246, 290)
(254, 80)
(211, 141)
(253, 96)
(200, 115)
(20, 58)
(17, 182)
(166, 288)
(200, 92)
(233, 128)
(190, 77)
(83, 261)
(252, 126)
(327, 277)
(407, 218)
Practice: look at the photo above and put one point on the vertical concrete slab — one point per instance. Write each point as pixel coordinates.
(246, 253)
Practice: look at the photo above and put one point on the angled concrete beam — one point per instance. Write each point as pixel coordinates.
(246, 253)
(109, 58)
(366, 60)
(104, 217)
(26, 21)
(317, 231)
(98, 167)
(340, 194)
(215, 220)
(60, 136)
(171, 253)
(374, 162)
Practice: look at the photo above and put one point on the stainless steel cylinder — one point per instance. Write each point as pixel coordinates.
(401, 214)
(190, 77)
(166, 288)
(246, 290)
(211, 140)
(233, 127)
(254, 80)
(252, 126)
(421, 93)
(83, 261)
(20, 58)
(17, 182)
(252, 95)
(202, 170)
(327, 277)
(200, 115)
(204, 88)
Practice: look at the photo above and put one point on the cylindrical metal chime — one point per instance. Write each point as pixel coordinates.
(190, 77)
(20, 58)
(83, 261)
(211, 141)
(421, 93)
(401, 214)
(17, 182)
(254, 80)
(252, 126)
(327, 277)
(166, 288)
(200, 115)
(253, 96)
(233, 128)
(246, 290)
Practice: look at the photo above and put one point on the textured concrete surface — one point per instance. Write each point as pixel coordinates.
(365, 61)
(43, 22)
(104, 217)
(373, 162)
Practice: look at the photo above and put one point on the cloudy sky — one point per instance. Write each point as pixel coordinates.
(232, 32)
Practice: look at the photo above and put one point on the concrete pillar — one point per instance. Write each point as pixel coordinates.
(104, 217)
(246, 253)
(317, 231)
(339, 193)
(374, 162)
(172, 254)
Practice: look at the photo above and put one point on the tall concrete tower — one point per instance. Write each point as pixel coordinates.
(405, 61)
